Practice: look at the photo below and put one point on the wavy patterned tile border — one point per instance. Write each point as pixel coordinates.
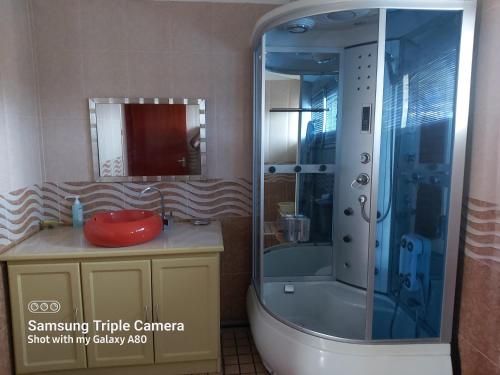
(481, 230)
(4, 234)
(189, 199)
(21, 210)
(20, 213)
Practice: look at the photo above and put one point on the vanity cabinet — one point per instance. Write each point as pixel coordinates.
(45, 293)
(113, 291)
(172, 279)
(187, 290)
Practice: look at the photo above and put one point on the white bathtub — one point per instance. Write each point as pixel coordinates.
(322, 307)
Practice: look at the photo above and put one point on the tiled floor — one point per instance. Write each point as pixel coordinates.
(239, 354)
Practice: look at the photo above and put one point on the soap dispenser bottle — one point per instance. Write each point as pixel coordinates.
(77, 211)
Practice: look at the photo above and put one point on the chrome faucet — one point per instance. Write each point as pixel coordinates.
(162, 200)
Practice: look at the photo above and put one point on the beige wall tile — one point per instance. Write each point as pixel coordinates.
(488, 5)
(485, 115)
(16, 34)
(191, 27)
(106, 73)
(57, 24)
(231, 159)
(60, 74)
(149, 26)
(67, 149)
(191, 75)
(149, 72)
(231, 27)
(104, 24)
(4, 155)
(232, 75)
(18, 74)
(24, 150)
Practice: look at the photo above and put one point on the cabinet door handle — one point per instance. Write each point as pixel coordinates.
(146, 313)
(157, 308)
(75, 314)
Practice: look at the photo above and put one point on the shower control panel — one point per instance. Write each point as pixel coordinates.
(354, 167)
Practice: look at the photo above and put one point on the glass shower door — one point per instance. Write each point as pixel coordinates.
(316, 140)
(416, 153)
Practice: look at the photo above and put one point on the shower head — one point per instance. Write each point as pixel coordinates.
(300, 26)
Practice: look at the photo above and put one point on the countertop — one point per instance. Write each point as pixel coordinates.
(70, 243)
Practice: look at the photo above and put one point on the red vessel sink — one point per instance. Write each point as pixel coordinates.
(122, 228)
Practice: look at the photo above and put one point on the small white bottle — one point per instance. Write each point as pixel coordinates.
(77, 211)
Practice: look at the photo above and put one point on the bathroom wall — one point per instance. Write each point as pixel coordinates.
(20, 133)
(131, 48)
(478, 313)
(20, 144)
(19, 125)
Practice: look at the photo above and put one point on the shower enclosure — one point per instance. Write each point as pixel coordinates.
(360, 120)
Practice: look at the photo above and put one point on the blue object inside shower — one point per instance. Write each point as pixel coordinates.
(421, 60)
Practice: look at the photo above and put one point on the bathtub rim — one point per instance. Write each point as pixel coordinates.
(363, 342)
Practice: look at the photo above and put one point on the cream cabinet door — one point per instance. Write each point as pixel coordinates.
(118, 290)
(45, 293)
(187, 290)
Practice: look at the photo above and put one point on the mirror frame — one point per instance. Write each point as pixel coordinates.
(94, 137)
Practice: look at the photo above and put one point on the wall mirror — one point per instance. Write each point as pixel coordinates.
(147, 139)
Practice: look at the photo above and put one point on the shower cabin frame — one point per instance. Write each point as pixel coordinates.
(306, 8)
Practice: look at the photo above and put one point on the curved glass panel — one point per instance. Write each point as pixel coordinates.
(257, 167)
(316, 138)
(422, 49)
